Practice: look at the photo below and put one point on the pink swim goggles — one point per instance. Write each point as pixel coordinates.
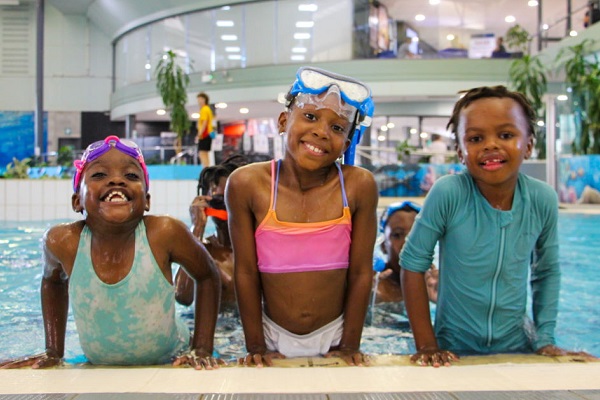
(100, 147)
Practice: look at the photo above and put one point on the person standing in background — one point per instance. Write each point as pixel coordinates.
(205, 129)
(404, 49)
(437, 148)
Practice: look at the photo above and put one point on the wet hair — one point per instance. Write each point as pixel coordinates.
(204, 96)
(485, 92)
(212, 175)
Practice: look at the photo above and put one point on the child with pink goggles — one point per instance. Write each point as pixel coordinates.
(100, 147)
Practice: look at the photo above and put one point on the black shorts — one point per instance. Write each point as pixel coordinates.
(204, 144)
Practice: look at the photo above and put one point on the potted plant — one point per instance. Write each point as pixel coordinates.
(171, 83)
(582, 75)
(527, 75)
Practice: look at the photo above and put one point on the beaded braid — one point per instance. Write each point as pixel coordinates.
(487, 92)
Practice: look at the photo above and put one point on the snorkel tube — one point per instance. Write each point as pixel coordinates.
(368, 108)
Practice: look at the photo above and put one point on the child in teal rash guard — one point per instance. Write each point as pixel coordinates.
(114, 267)
(489, 222)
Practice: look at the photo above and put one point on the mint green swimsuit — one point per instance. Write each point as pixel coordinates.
(131, 322)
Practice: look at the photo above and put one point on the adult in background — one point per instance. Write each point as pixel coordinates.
(205, 129)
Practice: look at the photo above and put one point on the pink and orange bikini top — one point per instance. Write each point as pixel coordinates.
(283, 247)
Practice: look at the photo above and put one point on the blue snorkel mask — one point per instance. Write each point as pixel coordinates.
(356, 101)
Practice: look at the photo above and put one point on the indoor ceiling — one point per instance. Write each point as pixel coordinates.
(440, 18)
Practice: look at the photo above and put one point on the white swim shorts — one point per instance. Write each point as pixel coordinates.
(310, 345)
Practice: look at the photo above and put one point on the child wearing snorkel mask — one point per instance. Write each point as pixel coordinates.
(210, 202)
(114, 267)
(395, 223)
(303, 228)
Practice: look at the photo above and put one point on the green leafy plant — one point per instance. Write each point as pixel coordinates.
(172, 83)
(404, 150)
(65, 156)
(528, 75)
(582, 74)
(18, 169)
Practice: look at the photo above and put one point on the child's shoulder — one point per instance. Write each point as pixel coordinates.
(62, 239)
(357, 173)
(249, 174)
(64, 230)
(163, 223)
(164, 230)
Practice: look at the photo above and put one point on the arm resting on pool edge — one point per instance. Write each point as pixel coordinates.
(416, 301)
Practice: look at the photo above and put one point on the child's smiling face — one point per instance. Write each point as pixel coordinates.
(318, 135)
(112, 189)
(494, 140)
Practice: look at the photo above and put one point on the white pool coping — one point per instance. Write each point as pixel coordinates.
(388, 374)
(384, 379)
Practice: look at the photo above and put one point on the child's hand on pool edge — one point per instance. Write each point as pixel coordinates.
(260, 359)
(37, 361)
(434, 357)
(555, 351)
(352, 357)
(198, 359)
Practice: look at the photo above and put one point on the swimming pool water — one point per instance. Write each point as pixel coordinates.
(22, 332)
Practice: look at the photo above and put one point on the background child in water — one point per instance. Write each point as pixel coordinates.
(210, 202)
(489, 221)
(303, 229)
(115, 268)
(395, 224)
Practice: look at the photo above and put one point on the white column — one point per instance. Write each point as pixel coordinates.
(551, 140)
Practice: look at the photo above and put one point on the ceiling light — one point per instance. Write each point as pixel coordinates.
(160, 112)
(299, 50)
(232, 49)
(434, 2)
(540, 123)
(305, 24)
(424, 135)
(573, 33)
(384, 128)
(562, 97)
(225, 23)
(532, 3)
(147, 66)
(381, 138)
(297, 57)
(419, 17)
(450, 37)
(413, 131)
(229, 38)
(545, 27)
(391, 125)
(221, 105)
(308, 7)
(234, 57)
(195, 115)
(510, 19)
(301, 35)
(244, 110)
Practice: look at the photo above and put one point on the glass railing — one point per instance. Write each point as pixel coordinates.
(231, 37)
